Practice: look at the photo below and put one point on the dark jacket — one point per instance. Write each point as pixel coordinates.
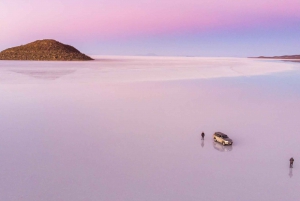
(291, 160)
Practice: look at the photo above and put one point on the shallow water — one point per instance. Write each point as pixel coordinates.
(66, 135)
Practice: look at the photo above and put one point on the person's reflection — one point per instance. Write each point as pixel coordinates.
(202, 143)
(291, 172)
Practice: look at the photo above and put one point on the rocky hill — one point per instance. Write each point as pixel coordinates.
(44, 50)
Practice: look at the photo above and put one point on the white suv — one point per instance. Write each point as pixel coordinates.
(222, 138)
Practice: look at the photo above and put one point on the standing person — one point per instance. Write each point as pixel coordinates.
(202, 135)
(291, 162)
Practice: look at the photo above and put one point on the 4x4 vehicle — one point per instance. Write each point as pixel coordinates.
(222, 138)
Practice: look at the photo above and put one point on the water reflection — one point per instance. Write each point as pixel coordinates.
(291, 172)
(202, 143)
(44, 74)
(222, 148)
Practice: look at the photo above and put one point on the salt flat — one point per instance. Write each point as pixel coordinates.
(116, 69)
(128, 128)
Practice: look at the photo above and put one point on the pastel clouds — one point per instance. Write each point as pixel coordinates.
(115, 19)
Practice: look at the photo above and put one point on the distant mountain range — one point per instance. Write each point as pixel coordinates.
(291, 57)
(44, 50)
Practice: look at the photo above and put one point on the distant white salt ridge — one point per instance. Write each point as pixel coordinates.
(154, 68)
(121, 69)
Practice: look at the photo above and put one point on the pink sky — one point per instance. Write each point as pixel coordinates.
(78, 20)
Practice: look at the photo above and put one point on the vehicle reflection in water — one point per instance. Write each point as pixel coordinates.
(291, 172)
(222, 148)
(202, 143)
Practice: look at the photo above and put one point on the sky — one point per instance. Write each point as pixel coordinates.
(237, 28)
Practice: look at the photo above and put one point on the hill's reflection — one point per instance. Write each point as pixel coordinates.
(44, 74)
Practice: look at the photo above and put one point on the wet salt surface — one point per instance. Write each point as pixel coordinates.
(112, 69)
(89, 140)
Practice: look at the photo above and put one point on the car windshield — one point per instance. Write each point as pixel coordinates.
(225, 136)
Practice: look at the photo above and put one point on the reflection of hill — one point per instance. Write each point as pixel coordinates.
(45, 74)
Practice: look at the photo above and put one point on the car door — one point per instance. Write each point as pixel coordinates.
(221, 139)
(217, 137)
